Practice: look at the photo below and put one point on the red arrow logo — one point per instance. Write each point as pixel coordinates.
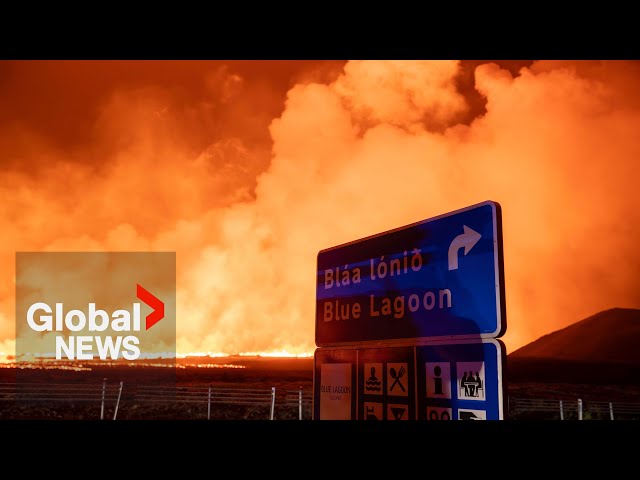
(158, 307)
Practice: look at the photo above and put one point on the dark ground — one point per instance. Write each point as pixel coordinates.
(527, 380)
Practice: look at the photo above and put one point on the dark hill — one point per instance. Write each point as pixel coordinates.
(609, 336)
(603, 348)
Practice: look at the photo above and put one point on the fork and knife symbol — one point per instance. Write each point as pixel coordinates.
(396, 377)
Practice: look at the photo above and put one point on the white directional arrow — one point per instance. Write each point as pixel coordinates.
(467, 240)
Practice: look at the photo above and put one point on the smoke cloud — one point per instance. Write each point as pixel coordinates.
(351, 152)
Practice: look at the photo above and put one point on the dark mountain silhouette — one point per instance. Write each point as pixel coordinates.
(603, 348)
(609, 336)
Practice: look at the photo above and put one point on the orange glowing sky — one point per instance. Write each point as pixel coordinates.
(247, 169)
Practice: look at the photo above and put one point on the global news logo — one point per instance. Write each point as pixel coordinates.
(42, 317)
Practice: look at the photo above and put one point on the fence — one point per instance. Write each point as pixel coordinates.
(575, 409)
(63, 393)
(299, 399)
(109, 398)
(208, 396)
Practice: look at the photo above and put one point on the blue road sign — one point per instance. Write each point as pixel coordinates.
(440, 278)
(460, 380)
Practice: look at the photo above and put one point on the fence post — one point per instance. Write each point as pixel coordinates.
(273, 401)
(115, 413)
(561, 411)
(209, 405)
(104, 386)
(300, 403)
(579, 409)
(611, 410)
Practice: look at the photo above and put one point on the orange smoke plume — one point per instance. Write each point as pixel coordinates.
(351, 152)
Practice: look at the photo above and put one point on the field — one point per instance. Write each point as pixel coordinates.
(239, 378)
